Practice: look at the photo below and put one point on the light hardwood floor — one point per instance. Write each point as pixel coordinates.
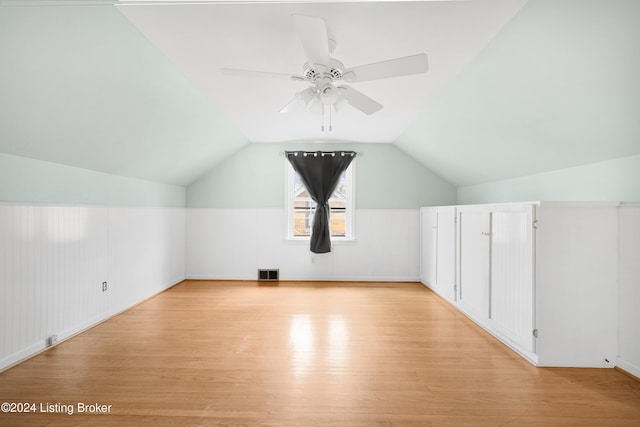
(307, 354)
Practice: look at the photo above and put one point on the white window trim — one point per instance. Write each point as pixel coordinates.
(350, 235)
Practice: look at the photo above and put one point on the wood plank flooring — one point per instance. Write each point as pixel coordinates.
(306, 354)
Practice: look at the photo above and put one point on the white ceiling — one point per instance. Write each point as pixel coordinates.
(202, 38)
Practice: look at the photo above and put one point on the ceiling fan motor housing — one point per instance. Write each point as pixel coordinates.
(333, 70)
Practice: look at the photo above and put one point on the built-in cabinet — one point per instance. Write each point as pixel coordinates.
(428, 245)
(438, 250)
(496, 260)
(541, 277)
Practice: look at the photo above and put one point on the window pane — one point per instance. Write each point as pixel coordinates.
(299, 190)
(302, 222)
(304, 208)
(303, 219)
(338, 223)
(341, 190)
(338, 204)
(304, 204)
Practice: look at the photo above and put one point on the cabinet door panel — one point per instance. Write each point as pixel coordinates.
(446, 248)
(512, 273)
(474, 261)
(428, 245)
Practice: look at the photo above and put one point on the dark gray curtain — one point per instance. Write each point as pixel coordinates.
(320, 173)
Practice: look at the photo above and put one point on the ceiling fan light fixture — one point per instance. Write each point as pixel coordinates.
(306, 96)
(340, 103)
(329, 95)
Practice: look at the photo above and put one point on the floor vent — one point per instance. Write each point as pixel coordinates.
(269, 275)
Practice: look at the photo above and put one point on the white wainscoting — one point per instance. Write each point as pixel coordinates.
(629, 282)
(53, 260)
(233, 243)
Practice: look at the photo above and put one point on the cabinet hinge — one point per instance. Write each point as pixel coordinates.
(535, 224)
(535, 333)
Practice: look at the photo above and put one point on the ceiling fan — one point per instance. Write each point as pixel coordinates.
(325, 73)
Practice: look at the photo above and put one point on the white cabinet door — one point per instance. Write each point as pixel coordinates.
(511, 286)
(428, 245)
(577, 301)
(473, 223)
(446, 252)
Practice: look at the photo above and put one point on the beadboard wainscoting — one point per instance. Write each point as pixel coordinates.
(55, 260)
(229, 243)
(629, 283)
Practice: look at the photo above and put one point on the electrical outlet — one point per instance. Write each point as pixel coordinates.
(51, 340)
(104, 286)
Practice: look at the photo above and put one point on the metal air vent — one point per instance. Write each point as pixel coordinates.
(268, 275)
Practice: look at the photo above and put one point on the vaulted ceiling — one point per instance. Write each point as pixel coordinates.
(203, 38)
(80, 86)
(558, 87)
(135, 89)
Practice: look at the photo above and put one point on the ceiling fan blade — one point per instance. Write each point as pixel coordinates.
(359, 100)
(293, 105)
(262, 74)
(302, 100)
(405, 66)
(315, 40)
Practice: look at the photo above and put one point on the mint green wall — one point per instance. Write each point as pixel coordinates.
(81, 86)
(385, 178)
(617, 180)
(28, 180)
(558, 87)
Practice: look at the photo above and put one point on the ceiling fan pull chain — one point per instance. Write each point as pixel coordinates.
(330, 127)
(322, 127)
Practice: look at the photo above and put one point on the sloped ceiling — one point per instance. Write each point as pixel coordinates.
(558, 87)
(80, 86)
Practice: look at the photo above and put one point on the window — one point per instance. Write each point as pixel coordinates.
(300, 207)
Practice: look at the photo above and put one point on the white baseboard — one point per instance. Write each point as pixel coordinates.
(379, 279)
(22, 355)
(39, 347)
(629, 367)
(220, 277)
(303, 279)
